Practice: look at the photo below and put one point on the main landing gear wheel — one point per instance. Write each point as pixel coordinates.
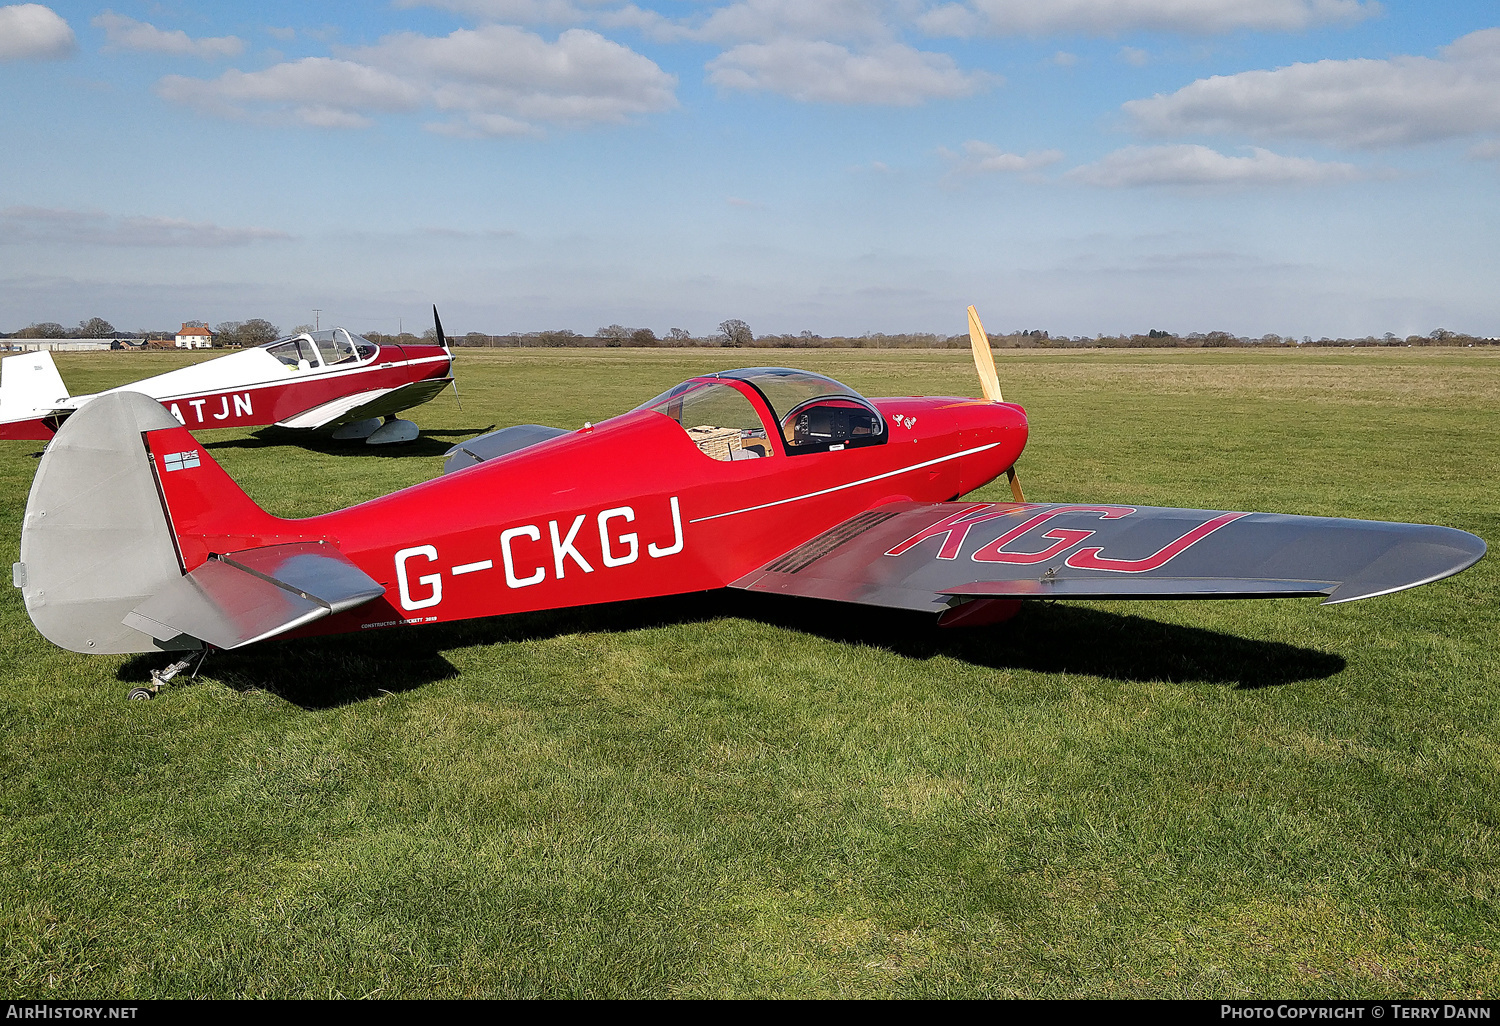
(357, 430)
(142, 694)
(393, 432)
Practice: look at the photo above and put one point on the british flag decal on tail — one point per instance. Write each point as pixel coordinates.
(181, 460)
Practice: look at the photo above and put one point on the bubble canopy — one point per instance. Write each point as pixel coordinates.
(332, 346)
(783, 388)
(814, 413)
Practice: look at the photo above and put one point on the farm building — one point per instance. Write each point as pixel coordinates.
(194, 336)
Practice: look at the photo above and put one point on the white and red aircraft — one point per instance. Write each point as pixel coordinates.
(310, 380)
(765, 478)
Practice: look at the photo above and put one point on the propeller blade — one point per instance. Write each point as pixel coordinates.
(1015, 485)
(437, 322)
(984, 360)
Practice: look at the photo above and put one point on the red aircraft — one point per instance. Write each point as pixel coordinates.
(767, 479)
(309, 380)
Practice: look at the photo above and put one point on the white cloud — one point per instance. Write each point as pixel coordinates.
(740, 21)
(766, 20)
(951, 20)
(1489, 149)
(128, 34)
(1136, 58)
(1357, 103)
(516, 12)
(822, 72)
(41, 224)
(497, 79)
(1064, 59)
(1185, 165)
(318, 91)
(648, 22)
(31, 31)
(500, 69)
(1109, 17)
(980, 158)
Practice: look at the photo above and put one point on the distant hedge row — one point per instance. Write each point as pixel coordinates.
(1017, 340)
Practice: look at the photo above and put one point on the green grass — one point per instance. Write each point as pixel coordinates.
(727, 795)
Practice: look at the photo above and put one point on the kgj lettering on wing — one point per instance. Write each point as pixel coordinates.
(954, 529)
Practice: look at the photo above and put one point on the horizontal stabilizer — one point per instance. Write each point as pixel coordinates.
(247, 596)
(915, 556)
(497, 443)
(377, 402)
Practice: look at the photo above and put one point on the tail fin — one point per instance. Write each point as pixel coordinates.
(105, 520)
(95, 540)
(31, 387)
(206, 511)
(33, 398)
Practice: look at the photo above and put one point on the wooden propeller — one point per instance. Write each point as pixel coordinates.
(989, 381)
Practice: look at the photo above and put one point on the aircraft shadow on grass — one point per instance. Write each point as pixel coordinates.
(326, 672)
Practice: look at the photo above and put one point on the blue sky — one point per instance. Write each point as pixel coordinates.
(1302, 167)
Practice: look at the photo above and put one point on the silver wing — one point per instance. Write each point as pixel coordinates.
(935, 556)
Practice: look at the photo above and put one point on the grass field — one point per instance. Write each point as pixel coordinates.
(726, 795)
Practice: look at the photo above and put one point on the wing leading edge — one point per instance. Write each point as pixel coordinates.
(932, 556)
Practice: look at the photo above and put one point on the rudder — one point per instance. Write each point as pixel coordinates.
(94, 541)
(125, 501)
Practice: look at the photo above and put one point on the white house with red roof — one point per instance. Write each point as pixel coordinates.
(194, 336)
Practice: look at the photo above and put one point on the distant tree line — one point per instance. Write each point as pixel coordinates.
(253, 332)
(94, 327)
(735, 333)
(229, 334)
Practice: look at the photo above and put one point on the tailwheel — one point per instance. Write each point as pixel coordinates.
(160, 678)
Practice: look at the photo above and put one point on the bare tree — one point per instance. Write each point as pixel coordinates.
(95, 327)
(735, 332)
(46, 329)
(258, 331)
(228, 333)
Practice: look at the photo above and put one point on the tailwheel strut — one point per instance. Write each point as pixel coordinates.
(160, 678)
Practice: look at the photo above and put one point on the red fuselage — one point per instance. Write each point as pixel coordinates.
(627, 509)
(271, 402)
(251, 389)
